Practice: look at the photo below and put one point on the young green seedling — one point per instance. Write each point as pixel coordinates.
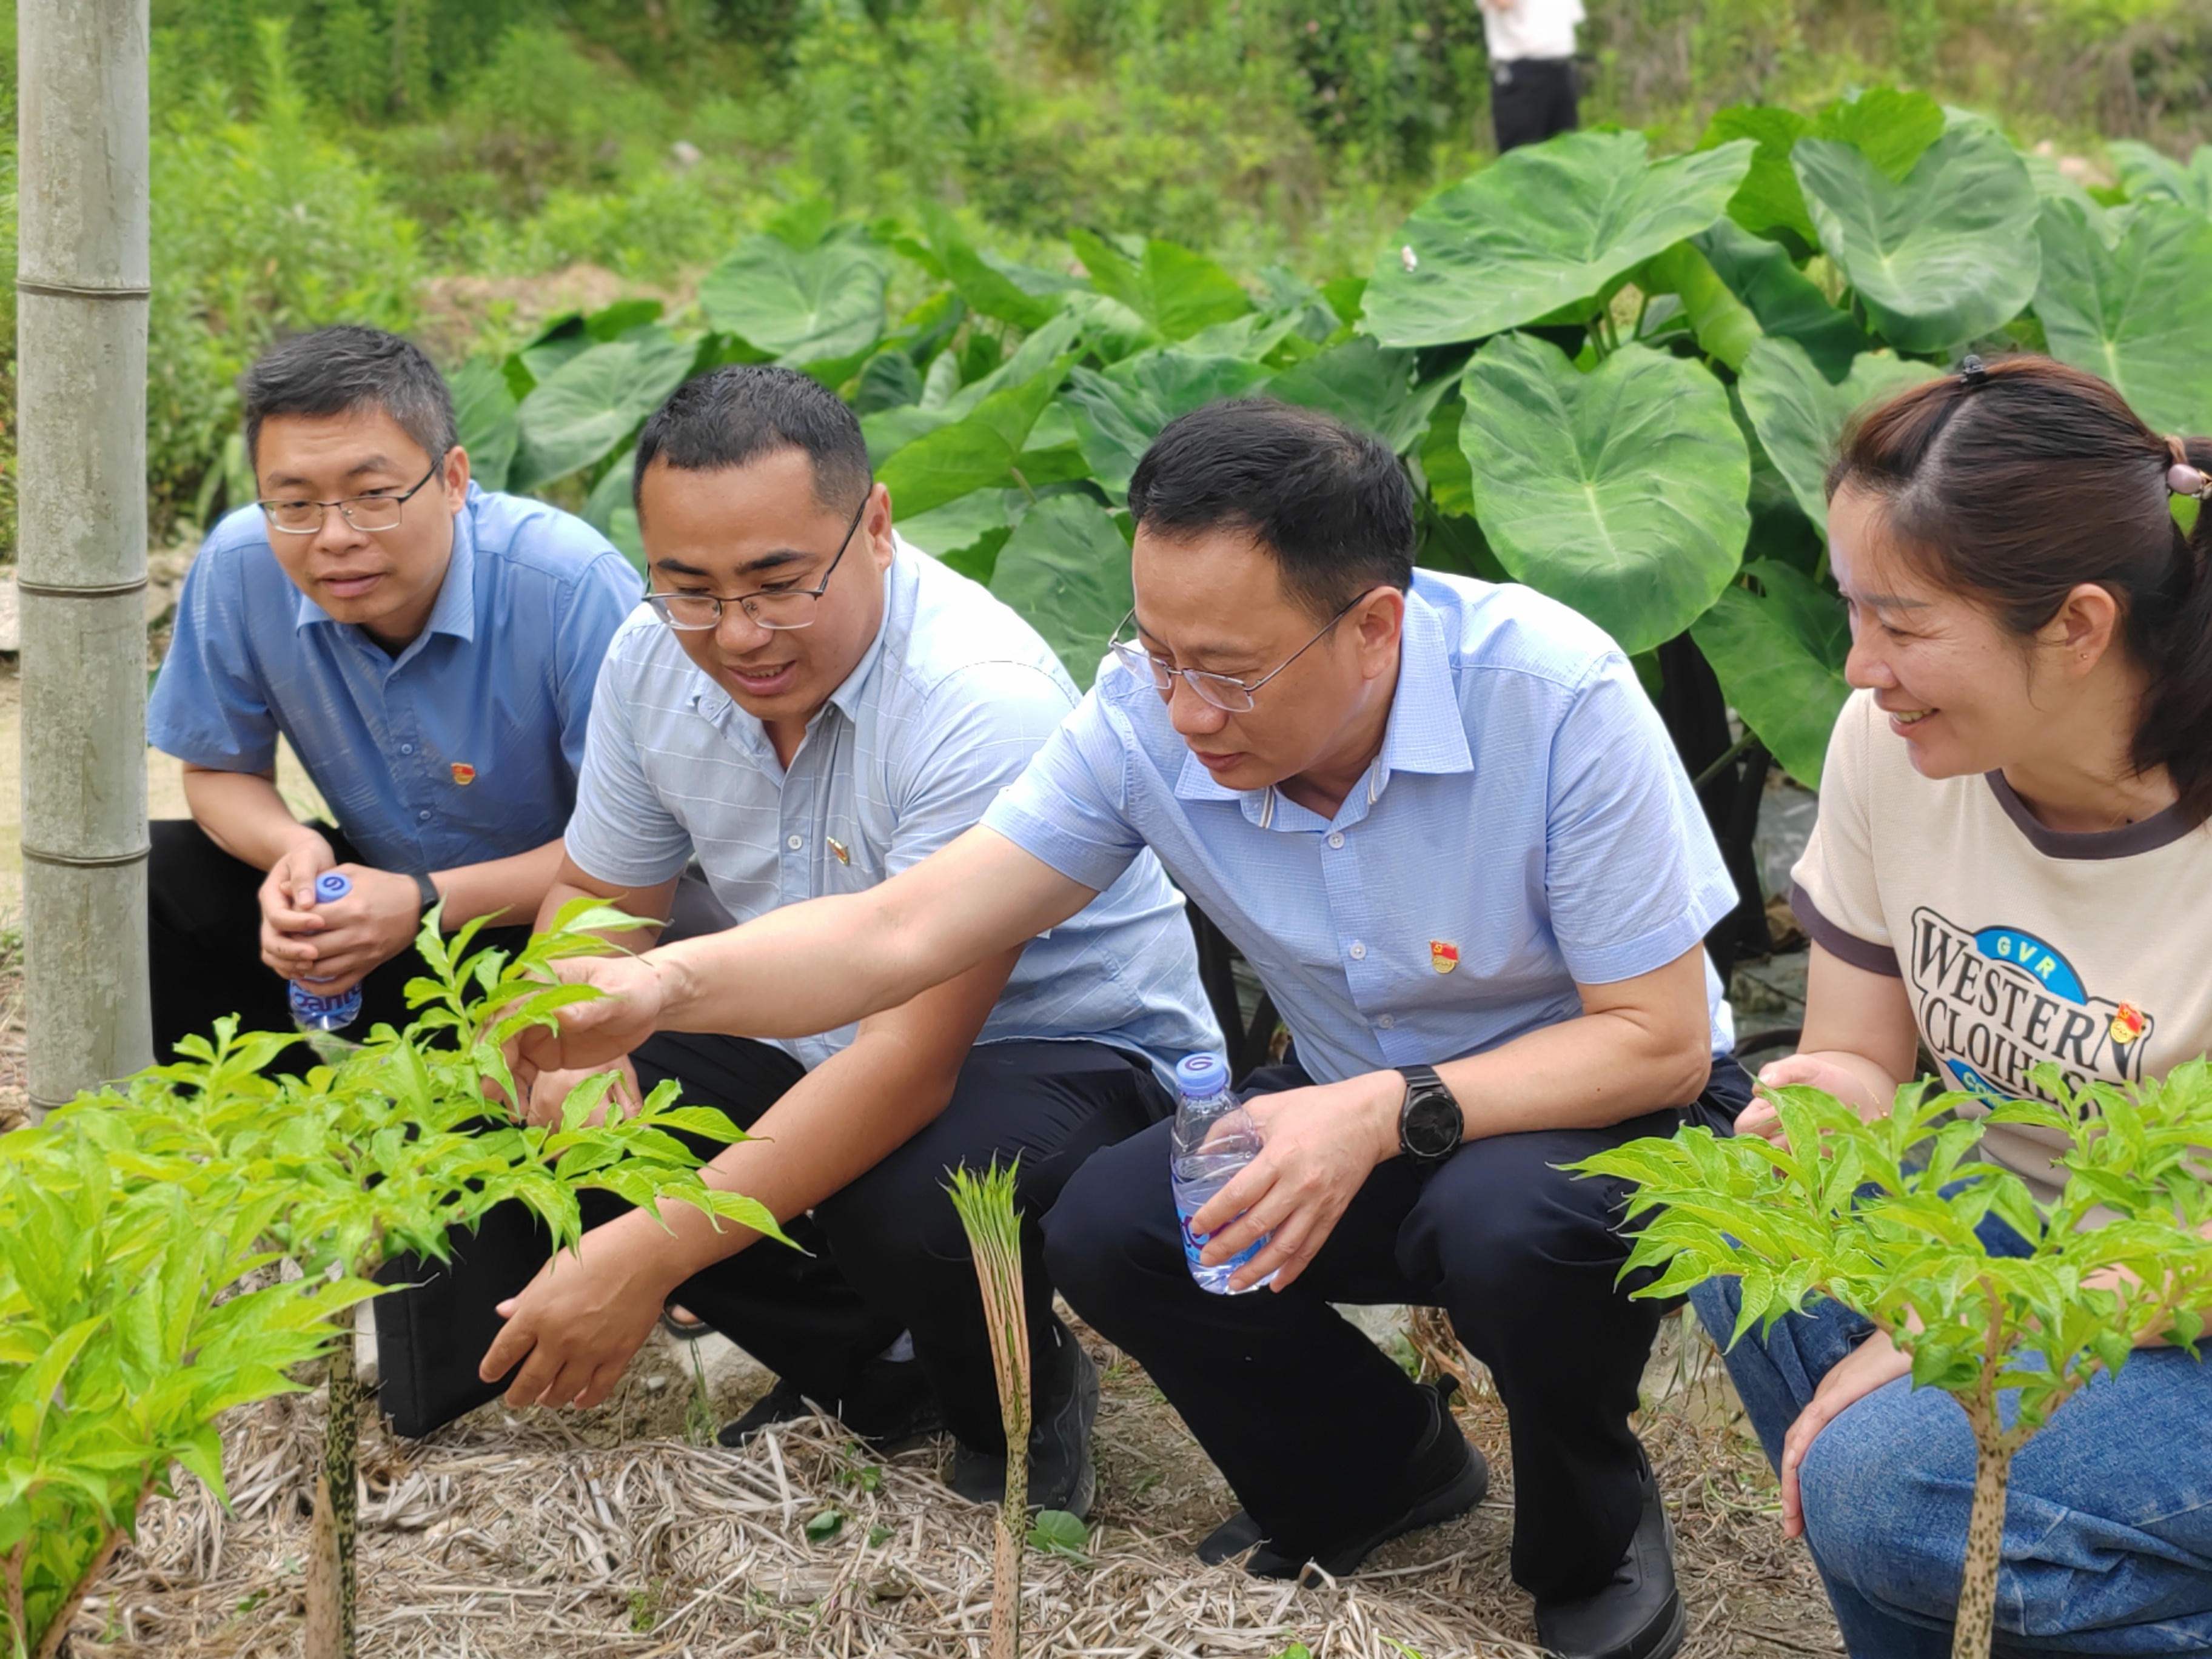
(986, 1203)
(1881, 1217)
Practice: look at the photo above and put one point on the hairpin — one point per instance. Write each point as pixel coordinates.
(1973, 373)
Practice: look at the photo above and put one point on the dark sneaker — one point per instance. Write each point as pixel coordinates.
(1448, 1478)
(1061, 1474)
(890, 1402)
(1639, 1614)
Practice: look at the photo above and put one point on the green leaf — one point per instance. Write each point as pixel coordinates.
(1544, 228)
(824, 1525)
(1892, 129)
(1941, 257)
(1779, 656)
(2145, 172)
(1118, 414)
(1176, 291)
(484, 414)
(609, 509)
(1367, 385)
(943, 465)
(1056, 1532)
(595, 401)
(1726, 328)
(1620, 492)
(1785, 300)
(1798, 415)
(814, 305)
(1065, 571)
(2133, 309)
(1769, 200)
(988, 290)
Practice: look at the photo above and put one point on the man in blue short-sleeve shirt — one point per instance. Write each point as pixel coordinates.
(1443, 825)
(428, 649)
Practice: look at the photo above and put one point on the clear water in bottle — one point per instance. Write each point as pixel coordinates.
(1214, 1138)
(321, 1013)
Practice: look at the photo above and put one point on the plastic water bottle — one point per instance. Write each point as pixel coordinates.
(1214, 1138)
(316, 1013)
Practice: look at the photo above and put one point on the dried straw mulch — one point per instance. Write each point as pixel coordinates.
(540, 1535)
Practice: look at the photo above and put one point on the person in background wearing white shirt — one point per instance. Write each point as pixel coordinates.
(1532, 67)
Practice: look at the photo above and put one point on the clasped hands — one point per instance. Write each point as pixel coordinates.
(337, 944)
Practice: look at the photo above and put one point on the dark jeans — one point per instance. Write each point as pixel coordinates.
(1311, 1421)
(203, 927)
(1532, 100)
(885, 1254)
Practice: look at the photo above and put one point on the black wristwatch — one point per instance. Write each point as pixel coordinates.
(427, 890)
(1430, 1123)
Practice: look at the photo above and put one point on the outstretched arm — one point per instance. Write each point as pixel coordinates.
(813, 967)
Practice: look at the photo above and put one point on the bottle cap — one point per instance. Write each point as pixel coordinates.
(330, 886)
(1200, 1075)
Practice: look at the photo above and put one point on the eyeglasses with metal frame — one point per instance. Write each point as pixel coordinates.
(370, 513)
(1223, 692)
(781, 609)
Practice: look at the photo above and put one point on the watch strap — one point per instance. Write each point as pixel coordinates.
(427, 890)
(1424, 1080)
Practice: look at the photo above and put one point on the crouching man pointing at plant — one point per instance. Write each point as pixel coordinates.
(1444, 825)
(811, 706)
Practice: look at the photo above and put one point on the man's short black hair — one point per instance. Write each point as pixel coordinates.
(1330, 502)
(735, 415)
(345, 370)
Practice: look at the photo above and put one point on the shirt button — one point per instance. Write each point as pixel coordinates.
(1336, 838)
(796, 842)
(423, 816)
(1389, 1022)
(406, 748)
(1358, 951)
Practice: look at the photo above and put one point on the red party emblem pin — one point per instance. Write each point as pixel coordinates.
(464, 773)
(1444, 955)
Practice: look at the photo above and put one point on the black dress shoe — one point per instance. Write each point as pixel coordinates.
(1447, 1477)
(1061, 1474)
(1639, 1614)
(890, 1402)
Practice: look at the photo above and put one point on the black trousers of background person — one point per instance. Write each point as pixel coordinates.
(203, 927)
(1532, 100)
(1309, 1419)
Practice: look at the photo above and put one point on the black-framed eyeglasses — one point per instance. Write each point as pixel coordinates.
(769, 608)
(1225, 693)
(377, 510)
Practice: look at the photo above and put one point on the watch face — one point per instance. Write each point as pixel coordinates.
(1431, 1125)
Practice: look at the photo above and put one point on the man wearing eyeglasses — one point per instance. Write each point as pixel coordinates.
(426, 646)
(1444, 825)
(810, 706)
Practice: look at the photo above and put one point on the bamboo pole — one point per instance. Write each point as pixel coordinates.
(81, 291)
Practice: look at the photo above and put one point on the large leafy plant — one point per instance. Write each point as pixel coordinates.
(1614, 376)
(388, 1152)
(1882, 1215)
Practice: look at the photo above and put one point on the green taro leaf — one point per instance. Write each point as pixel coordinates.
(1066, 570)
(943, 465)
(483, 413)
(595, 401)
(1545, 228)
(1940, 259)
(1620, 492)
(807, 306)
(1367, 385)
(2137, 312)
(1783, 299)
(1769, 200)
(1725, 327)
(1056, 1532)
(610, 510)
(990, 291)
(2145, 172)
(1176, 291)
(1780, 658)
(1118, 414)
(1798, 416)
(1891, 129)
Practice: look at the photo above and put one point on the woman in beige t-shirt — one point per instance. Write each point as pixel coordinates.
(2011, 865)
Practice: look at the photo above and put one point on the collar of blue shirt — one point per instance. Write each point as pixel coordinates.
(455, 612)
(1426, 732)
